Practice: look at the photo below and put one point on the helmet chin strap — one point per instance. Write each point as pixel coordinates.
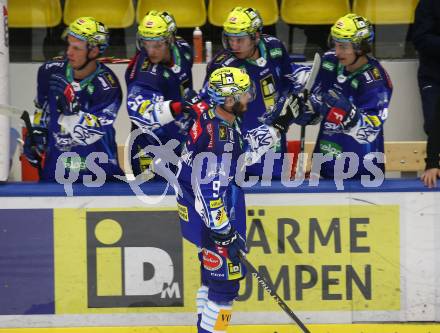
(88, 61)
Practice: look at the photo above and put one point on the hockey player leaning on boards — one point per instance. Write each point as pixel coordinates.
(159, 85)
(211, 204)
(351, 95)
(77, 102)
(266, 61)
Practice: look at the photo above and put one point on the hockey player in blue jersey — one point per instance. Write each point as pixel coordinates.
(351, 94)
(159, 84)
(77, 102)
(266, 61)
(211, 203)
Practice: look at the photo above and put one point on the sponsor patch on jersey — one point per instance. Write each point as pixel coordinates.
(219, 216)
(355, 83)
(376, 74)
(327, 147)
(233, 269)
(222, 133)
(231, 135)
(183, 212)
(216, 203)
(374, 120)
(336, 115)
(267, 86)
(196, 131)
(211, 114)
(223, 319)
(211, 260)
(276, 52)
(145, 65)
(111, 80)
(211, 136)
(221, 58)
(328, 66)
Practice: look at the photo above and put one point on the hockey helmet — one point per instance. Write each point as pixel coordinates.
(157, 25)
(242, 21)
(354, 29)
(230, 81)
(91, 31)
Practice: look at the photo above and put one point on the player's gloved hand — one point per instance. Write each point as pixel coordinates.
(229, 245)
(192, 106)
(35, 145)
(67, 101)
(337, 109)
(299, 77)
(292, 109)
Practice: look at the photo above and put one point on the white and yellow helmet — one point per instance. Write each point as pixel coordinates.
(92, 31)
(242, 21)
(229, 81)
(352, 28)
(157, 25)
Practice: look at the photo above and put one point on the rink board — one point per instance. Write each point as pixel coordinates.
(315, 328)
(102, 258)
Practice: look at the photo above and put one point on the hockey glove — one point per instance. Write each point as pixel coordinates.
(299, 77)
(294, 110)
(35, 145)
(337, 109)
(229, 245)
(67, 102)
(191, 107)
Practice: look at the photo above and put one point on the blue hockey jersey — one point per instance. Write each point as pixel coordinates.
(369, 89)
(158, 85)
(213, 162)
(91, 130)
(270, 76)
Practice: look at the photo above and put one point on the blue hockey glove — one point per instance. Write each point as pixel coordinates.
(337, 109)
(35, 145)
(229, 245)
(67, 102)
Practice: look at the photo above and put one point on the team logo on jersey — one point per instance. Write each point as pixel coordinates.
(222, 133)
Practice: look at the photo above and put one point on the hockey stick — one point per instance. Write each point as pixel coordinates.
(262, 281)
(27, 123)
(309, 84)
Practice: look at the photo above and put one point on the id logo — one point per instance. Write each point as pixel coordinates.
(134, 259)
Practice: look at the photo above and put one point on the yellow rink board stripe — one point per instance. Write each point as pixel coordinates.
(314, 328)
